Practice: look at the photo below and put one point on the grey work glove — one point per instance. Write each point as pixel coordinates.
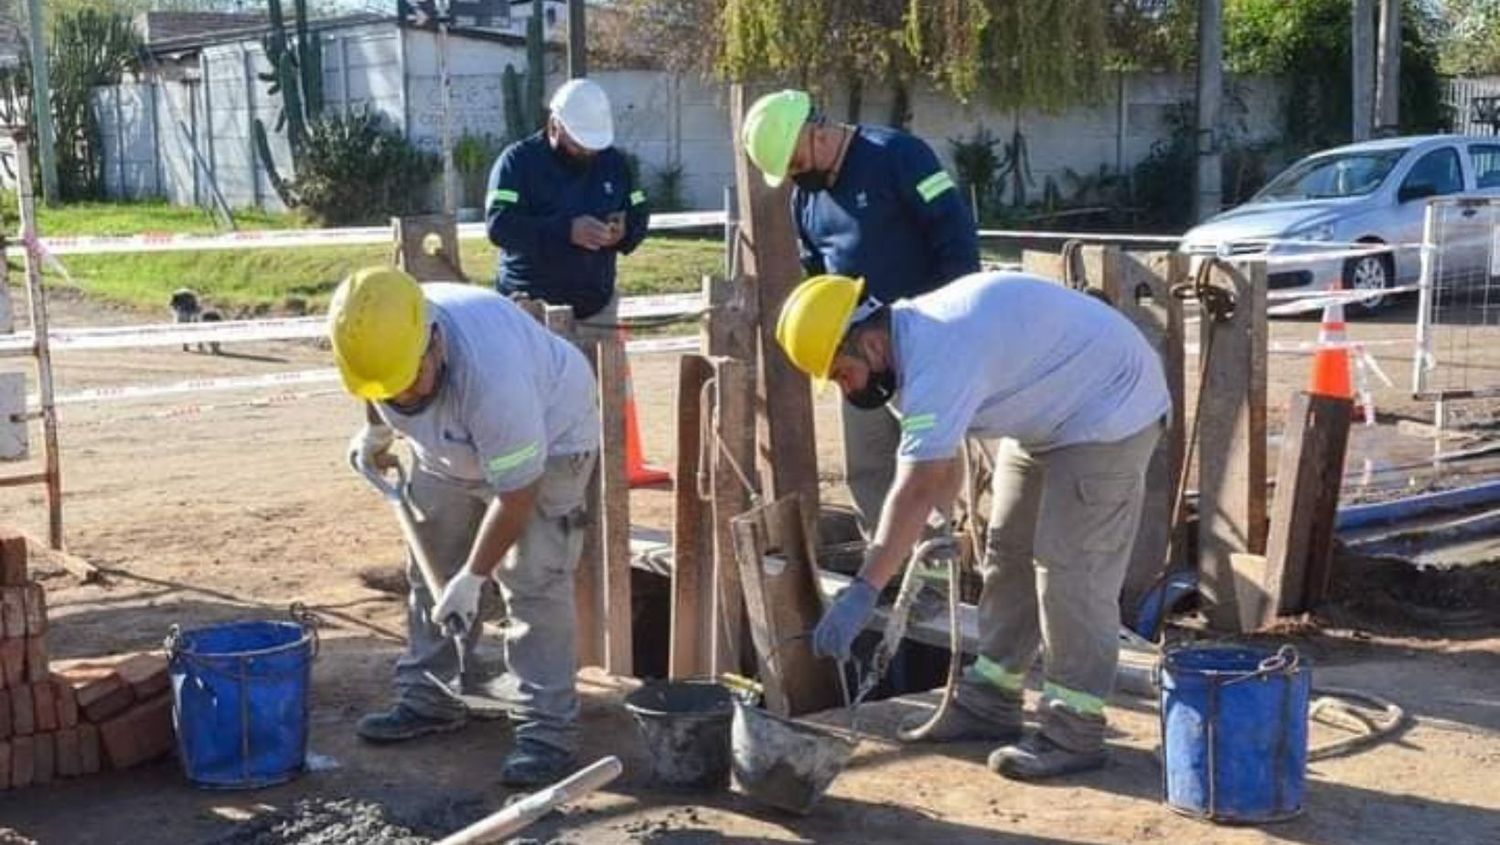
(371, 445)
(845, 619)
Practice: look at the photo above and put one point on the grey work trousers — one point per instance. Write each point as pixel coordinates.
(871, 439)
(536, 585)
(1060, 538)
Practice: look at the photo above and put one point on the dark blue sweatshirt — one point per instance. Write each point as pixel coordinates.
(894, 217)
(534, 194)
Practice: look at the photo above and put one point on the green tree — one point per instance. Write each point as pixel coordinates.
(88, 50)
(1471, 37)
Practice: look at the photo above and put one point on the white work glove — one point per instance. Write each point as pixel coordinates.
(371, 444)
(460, 599)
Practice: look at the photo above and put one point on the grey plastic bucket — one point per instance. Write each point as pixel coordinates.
(685, 726)
(782, 763)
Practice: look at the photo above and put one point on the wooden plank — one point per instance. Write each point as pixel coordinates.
(1048, 265)
(692, 550)
(615, 498)
(779, 574)
(729, 329)
(1140, 285)
(1232, 441)
(588, 584)
(1309, 474)
(768, 261)
(411, 249)
(734, 430)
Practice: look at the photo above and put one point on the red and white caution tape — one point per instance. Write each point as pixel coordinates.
(287, 238)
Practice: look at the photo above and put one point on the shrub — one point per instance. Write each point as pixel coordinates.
(356, 169)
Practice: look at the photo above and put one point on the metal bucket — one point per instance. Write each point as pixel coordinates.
(785, 764)
(685, 726)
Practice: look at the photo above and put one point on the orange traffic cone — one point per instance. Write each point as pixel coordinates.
(636, 470)
(1330, 368)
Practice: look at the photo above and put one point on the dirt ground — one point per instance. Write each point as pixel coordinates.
(206, 515)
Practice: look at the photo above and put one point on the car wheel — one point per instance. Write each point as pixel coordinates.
(1369, 273)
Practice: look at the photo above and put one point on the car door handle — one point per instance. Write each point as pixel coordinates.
(1470, 212)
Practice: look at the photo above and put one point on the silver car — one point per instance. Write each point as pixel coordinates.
(1374, 193)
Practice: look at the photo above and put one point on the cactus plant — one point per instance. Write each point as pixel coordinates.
(297, 77)
(523, 111)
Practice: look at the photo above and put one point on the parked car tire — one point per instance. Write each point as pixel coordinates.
(1375, 271)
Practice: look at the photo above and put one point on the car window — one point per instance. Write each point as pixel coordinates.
(1332, 175)
(1485, 159)
(1440, 169)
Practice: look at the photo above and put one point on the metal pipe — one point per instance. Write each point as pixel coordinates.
(528, 810)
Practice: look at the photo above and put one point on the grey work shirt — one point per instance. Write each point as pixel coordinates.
(1012, 355)
(515, 394)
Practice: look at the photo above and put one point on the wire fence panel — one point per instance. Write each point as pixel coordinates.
(1458, 319)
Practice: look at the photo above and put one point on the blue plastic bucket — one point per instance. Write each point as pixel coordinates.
(241, 701)
(1234, 732)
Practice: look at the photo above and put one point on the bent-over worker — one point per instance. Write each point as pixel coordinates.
(1081, 399)
(869, 202)
(501, 416)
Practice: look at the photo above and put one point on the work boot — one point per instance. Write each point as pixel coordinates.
(1036, 758)
(401, 723)
(533, 763)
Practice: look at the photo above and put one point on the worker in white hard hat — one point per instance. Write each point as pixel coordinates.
(562, 207)
(502, 419)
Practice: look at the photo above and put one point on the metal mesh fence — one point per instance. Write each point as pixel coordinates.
(1458, 321)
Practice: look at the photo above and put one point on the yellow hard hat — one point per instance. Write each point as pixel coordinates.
(772, 126)
(377, 321)
(814, 319)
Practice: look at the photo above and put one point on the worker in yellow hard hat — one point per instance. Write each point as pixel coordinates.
(501, 417)
(1079, 398)
(869, 202)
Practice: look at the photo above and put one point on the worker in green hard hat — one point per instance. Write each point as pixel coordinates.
(872, 203)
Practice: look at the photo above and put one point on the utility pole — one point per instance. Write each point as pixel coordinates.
(1388, 71)
(1208, 187)
(41, 98)
(445, 92)
(578, 49)
(1362, 69)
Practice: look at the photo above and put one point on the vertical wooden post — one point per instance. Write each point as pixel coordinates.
(588, 584)
(1140, 286)
(733, 454)
(1232, 441)
(769, 261)
(615, 499)
(1309, 476)
(692, 547)
(36, 296)
(411, 249)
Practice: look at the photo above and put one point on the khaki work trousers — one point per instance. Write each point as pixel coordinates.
(536, 585)
(1060, 538)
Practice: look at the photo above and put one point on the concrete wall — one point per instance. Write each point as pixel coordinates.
(666, 120)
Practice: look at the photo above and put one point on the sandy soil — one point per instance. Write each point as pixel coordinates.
(208, 515)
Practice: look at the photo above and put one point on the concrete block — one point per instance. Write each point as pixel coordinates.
(4, 765)
(36, 609)
(22, 761)
(66, 749)
(37, 669)
(93, 680)
(13, 555)
(140, 735)
(146, 673)
(13, 662)
(5, 718)
(116, 702)
(13, 612)
(44, 759)
(22, 711)
(90, 760)
(44, 707)
(67, 702)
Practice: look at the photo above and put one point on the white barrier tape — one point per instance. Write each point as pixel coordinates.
(197, 409)
(289, 328)
(284, 238)
(1346, 294)
(1023, 234)
(1320, 300)
(1205, 250)
(123, 393)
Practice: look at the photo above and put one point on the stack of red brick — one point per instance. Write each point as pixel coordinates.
(69, 718)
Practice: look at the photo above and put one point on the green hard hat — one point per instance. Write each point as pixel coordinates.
(771, 129)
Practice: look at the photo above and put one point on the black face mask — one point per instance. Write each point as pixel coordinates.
(811, 180)
(422, 404)
(877, 392)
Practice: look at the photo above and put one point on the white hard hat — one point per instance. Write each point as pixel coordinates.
(582, 108)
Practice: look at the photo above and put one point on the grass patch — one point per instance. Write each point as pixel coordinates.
(129, 218)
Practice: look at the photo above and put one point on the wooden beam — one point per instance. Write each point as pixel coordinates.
(1140, 286)
(768, 260)
(1048, 265)
(615, 499)
(1232, 440)
(779, 572)
(1299, 550)
(414, 252)
(692, 547)
(734, 430)
(588, 584)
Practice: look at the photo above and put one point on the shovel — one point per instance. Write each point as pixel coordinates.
(406, 517)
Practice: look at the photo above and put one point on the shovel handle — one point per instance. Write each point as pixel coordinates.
(377, 479)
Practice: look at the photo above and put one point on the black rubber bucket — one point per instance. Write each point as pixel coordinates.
(685, 725)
